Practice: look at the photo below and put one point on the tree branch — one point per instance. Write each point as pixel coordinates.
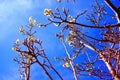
(108, 64)
(44, 69)
(115, 9)
(71, 60)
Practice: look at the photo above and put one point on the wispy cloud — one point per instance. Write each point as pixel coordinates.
(9, 7)
(11, 75)
(10, 11)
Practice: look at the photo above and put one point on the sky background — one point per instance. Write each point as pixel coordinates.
(13, 14)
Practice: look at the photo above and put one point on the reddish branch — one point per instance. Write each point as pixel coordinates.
(30, 56)
(43, 67)
(70, 59)
(114, 8)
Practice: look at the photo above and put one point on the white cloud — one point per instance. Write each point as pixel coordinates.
(9, 7)
(10, 10)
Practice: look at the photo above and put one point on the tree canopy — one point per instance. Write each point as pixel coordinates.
(85, 54)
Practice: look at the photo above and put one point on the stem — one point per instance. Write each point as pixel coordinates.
(44, 69)
(51, 64)
(28, 73)
(71, 60)
(57, 72)
(28, 63)
(53, 68)
(90, 26)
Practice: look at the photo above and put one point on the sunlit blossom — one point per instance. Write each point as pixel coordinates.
(17, 41)
(47, 12)
(30, 19)
(31, 38)
(32, 22)
(69, 39)
(59, 1)
(66, 64)
(21, 29)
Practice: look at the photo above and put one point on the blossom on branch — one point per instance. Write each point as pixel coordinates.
(69, 39)
(31, 38)
(17, 42)
(47, 12)
(59, 1)
(40, 25)
(32, 22)
(66, 65)
(21, 29)
(30, 19)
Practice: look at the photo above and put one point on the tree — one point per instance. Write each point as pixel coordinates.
(100, 54)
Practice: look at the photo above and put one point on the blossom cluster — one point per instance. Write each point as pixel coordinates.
(31, 38)
(32, 22)
(72, 39)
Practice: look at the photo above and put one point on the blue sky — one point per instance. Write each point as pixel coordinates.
(14, 13)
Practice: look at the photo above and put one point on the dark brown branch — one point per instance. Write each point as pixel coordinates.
(115, 9)
(43, 67)
(89, 26)
(28, 73)
(50, 62)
